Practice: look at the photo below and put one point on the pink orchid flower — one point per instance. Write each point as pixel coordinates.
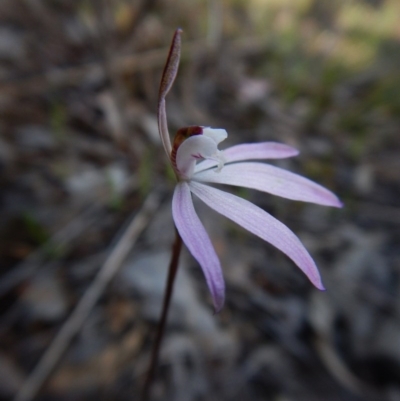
(197, 162)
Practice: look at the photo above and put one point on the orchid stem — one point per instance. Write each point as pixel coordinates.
(173, 268)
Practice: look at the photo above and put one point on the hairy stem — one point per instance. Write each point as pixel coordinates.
(173, 268)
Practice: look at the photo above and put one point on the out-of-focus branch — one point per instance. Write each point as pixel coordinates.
(73, 324)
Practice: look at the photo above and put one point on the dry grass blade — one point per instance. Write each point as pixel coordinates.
(110, 267)
(341, 372)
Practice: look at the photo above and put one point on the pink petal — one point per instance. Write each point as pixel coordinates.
(171, 66)
(163, 127)
(271, 179)
(167, 79)
(252, 151)
(260, 223)
(198, 242)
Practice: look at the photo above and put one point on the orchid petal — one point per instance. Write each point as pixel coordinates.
(271, 179)
(252, 151)
(260, 223)
(198, 242)
(163, 127)
(171, 66)
(192, 149)
(167, 79)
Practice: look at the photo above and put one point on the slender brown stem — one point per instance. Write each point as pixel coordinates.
(173, 268)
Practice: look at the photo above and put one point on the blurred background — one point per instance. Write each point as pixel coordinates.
(83, 177)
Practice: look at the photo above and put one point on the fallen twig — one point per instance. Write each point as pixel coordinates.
(73, 324)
